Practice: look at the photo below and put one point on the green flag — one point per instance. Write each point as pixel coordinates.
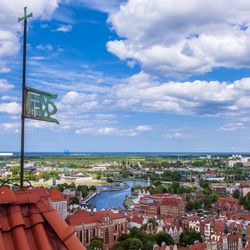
(39, 105)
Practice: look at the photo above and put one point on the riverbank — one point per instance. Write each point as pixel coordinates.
(128, 202)
(114, 199)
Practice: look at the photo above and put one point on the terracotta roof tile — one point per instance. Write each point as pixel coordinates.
(85, 217)
(56, 195)
(29, 221)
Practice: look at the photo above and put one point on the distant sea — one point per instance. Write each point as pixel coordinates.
(184, 154)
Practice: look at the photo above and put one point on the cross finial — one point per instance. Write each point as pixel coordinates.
(25, 15)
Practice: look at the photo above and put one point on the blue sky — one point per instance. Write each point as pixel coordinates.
(130, 76)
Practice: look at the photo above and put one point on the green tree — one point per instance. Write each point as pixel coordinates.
(236, 194)
(83, 189)
(92, 188)
(148, 245)
(95, 244)
(245, 201)
(132, 244)
(189, 237)
(109, 180)
(164, 237)
(75, 200)
(190, 206)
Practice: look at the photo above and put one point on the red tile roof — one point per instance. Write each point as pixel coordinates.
(137, 219)
(29, 221)
(171, 201)
(85, 217)
(56, 195)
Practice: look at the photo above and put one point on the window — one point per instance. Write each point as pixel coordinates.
(81, 232)
(106, 236)
(87, 236)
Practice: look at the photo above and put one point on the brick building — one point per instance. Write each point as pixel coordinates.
(228, 204)
(160, 205)
(105, 224)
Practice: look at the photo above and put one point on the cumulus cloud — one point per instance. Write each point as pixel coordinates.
(47, 47)
(5, 85)
(114, 131)
(142, 92)
(64, 28)
(175, 135)
(108, 6)
(12, 108)
(10, 10)
(182, 38)
(232, 126)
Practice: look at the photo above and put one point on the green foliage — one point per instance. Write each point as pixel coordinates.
(148, 245)
(164, 237)
(132, 244)
(92, 188)
(245, 201)
(83, 189)
(171, 175)
(117, 247)
(194, 205)
(157, 183)
(147, 240)
(95, 244)
(15, 170)
(209, 199)
(109, 180)
(236, 194)
(75, 200)
(189, 237)
(152, 221)
(204, 183)
(63, 186)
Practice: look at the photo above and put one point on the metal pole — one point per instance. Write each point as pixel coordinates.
(23, 103)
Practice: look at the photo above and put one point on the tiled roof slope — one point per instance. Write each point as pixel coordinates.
(28, 221)
(56, 195)
(85, 217)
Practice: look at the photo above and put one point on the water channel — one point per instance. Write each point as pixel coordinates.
(114, 199)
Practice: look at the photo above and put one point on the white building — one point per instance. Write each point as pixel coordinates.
(58, 202)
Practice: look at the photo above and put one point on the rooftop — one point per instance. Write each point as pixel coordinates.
(29, 221)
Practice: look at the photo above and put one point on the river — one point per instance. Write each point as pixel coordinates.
(113, 199)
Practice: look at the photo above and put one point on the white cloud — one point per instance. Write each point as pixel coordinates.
(143, 128)
(114, 131)
(143, 92)
(5, 85)
(182, 38)
(47, 47)
(9, 27)
(4, 69)
(175, 135)
(64, 28)
(232, 126)
(12, 108)
(107, 6)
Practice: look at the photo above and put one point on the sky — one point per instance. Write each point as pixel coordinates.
(131, 76)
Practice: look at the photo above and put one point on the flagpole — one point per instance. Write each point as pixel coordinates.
(23, 102)
(23, 93)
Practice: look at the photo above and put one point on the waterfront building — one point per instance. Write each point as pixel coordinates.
(160, 205)
(104, 224)
(77, 178)
(58, 202)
